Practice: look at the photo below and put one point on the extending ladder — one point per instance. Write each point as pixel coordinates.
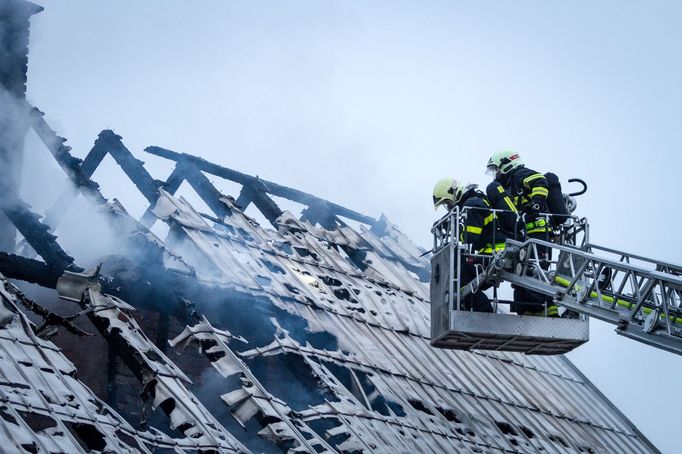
(641, 296)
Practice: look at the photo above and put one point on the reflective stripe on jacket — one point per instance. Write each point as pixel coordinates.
(527, 186)
(481, 229)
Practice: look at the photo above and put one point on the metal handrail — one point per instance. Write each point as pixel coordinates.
(446, 233)
(577, 224)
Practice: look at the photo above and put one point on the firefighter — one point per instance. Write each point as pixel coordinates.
(510, 220)
(479, 229)
(528, 190)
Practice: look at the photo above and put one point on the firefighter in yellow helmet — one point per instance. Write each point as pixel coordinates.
(480, 230)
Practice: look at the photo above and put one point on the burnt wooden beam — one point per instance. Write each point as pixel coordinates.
(206, 191)
(133, 167)
(29, 270)
(244, 199)
(272, 188)
(257, 193)
(171, 185)
(34, 231)
(68, 196)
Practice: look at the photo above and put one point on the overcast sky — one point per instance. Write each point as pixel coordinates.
(368, 103)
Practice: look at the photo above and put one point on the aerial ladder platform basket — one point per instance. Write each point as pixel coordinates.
(640, 296)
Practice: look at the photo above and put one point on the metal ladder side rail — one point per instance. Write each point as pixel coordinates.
(597, 291)
(661, 266)
(652, 307)
(624, 266)
(644, 282)
(658, 339)
(647, 294)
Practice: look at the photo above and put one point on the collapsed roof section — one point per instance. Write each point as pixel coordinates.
(45, 408)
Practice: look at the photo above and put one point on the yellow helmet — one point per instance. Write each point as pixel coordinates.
(461, 189)
(450, 190)
(444, 191)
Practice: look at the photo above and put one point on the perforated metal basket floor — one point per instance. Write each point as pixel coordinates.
(513, 333)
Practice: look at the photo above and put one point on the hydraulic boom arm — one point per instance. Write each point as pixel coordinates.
(642, 297)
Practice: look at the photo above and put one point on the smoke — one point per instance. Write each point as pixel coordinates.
(14, 115)
(30, 174)
(422, 90)
(14, 121)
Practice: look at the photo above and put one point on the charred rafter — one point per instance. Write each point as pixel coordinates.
(256, 192)
(34, 231)
(79, 172)
(267, 187)
(29, 270)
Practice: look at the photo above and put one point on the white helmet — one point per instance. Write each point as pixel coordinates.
(504, 162)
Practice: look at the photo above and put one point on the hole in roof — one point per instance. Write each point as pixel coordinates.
(419, 405)
(506, 428)
(88, 436)
(37, 422)
(449, 414)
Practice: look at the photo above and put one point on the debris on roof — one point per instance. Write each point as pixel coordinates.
(45, 408)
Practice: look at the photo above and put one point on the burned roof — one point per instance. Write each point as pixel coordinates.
(310, 338)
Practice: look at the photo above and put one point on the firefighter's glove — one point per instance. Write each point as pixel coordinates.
(539, 205)
(531, 210)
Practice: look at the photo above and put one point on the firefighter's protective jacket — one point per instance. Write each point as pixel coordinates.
(500, 200)
(528, 187)
(481, 229)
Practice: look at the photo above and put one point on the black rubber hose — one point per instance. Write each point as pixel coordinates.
(582, 191)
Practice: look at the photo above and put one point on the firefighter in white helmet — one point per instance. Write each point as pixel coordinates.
(529, 191)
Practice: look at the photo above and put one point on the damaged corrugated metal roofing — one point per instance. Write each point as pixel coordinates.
(313, 337)
(390, 390)
(45, 408)
(320, 343)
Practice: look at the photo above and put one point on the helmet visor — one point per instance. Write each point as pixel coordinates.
(438, 201)
(447, 203)
(492, 171)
